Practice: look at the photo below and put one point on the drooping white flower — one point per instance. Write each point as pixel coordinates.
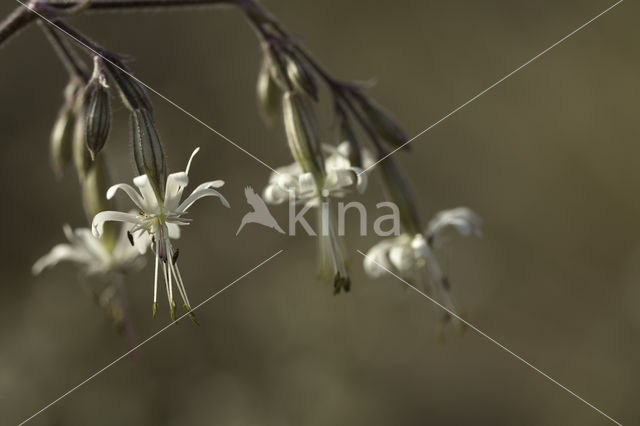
(341, 179)
(412, 257)
(91, 254)
(159, 220)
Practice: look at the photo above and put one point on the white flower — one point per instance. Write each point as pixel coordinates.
(160, 220)
(412, 257)
(91, 254)
(341, 179)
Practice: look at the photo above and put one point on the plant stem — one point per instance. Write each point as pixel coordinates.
(67, 56)
(22, 16)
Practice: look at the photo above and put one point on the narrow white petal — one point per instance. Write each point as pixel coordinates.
(148, 195)
(97, 226)
(199, 193)
(61, 252)
(173, 230)
(130, 191)
(195, 151)
(176, 182)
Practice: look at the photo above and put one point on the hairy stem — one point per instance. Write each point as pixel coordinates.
(67, 55)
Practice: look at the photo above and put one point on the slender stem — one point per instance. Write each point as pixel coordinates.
(22, 16)
(13, 23)
(67, 55)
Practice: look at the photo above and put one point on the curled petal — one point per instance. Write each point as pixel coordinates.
(376, 262)
(130, 191)
(275, 194)
(402, 258)
(464, 220)
(59, 253)
(199, 193)
(307, 187)
(97, 226)
(212, 184)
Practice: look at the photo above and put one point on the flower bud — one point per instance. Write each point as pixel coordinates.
(269, 93)
(302, 133)
(81, 157)
(133, 94)
(301, 78)
(98, 116)
(62, 140)
(399, 190)
(382, 122)
(148, 152)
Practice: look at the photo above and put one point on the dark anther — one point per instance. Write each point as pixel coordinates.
(130, 237)
(174, 258)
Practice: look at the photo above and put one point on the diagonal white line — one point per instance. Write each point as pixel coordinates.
(494, 341)
(495, 84)
(147, 340)
(56, 26)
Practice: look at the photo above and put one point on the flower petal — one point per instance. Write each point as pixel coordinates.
(148, 195)
(376, 262)
(97, 226)
(60, 252)
(130, 191)
(193, 154)
(176, 182)
(463, 219)
(173, 231)
(199, 193)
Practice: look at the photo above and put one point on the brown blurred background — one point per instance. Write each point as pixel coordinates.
(549, 159)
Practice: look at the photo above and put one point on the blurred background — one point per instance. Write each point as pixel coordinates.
(549, 159)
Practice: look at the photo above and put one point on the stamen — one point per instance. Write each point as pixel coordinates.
(130, 237)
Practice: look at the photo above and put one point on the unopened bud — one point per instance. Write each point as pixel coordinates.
(62, 140)
(133, 94)
(148, 152)
(302, 133)
(301, 78)
(383, 123)
(98, 113)
(81, 157)
(269, 93)
(399, 190)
